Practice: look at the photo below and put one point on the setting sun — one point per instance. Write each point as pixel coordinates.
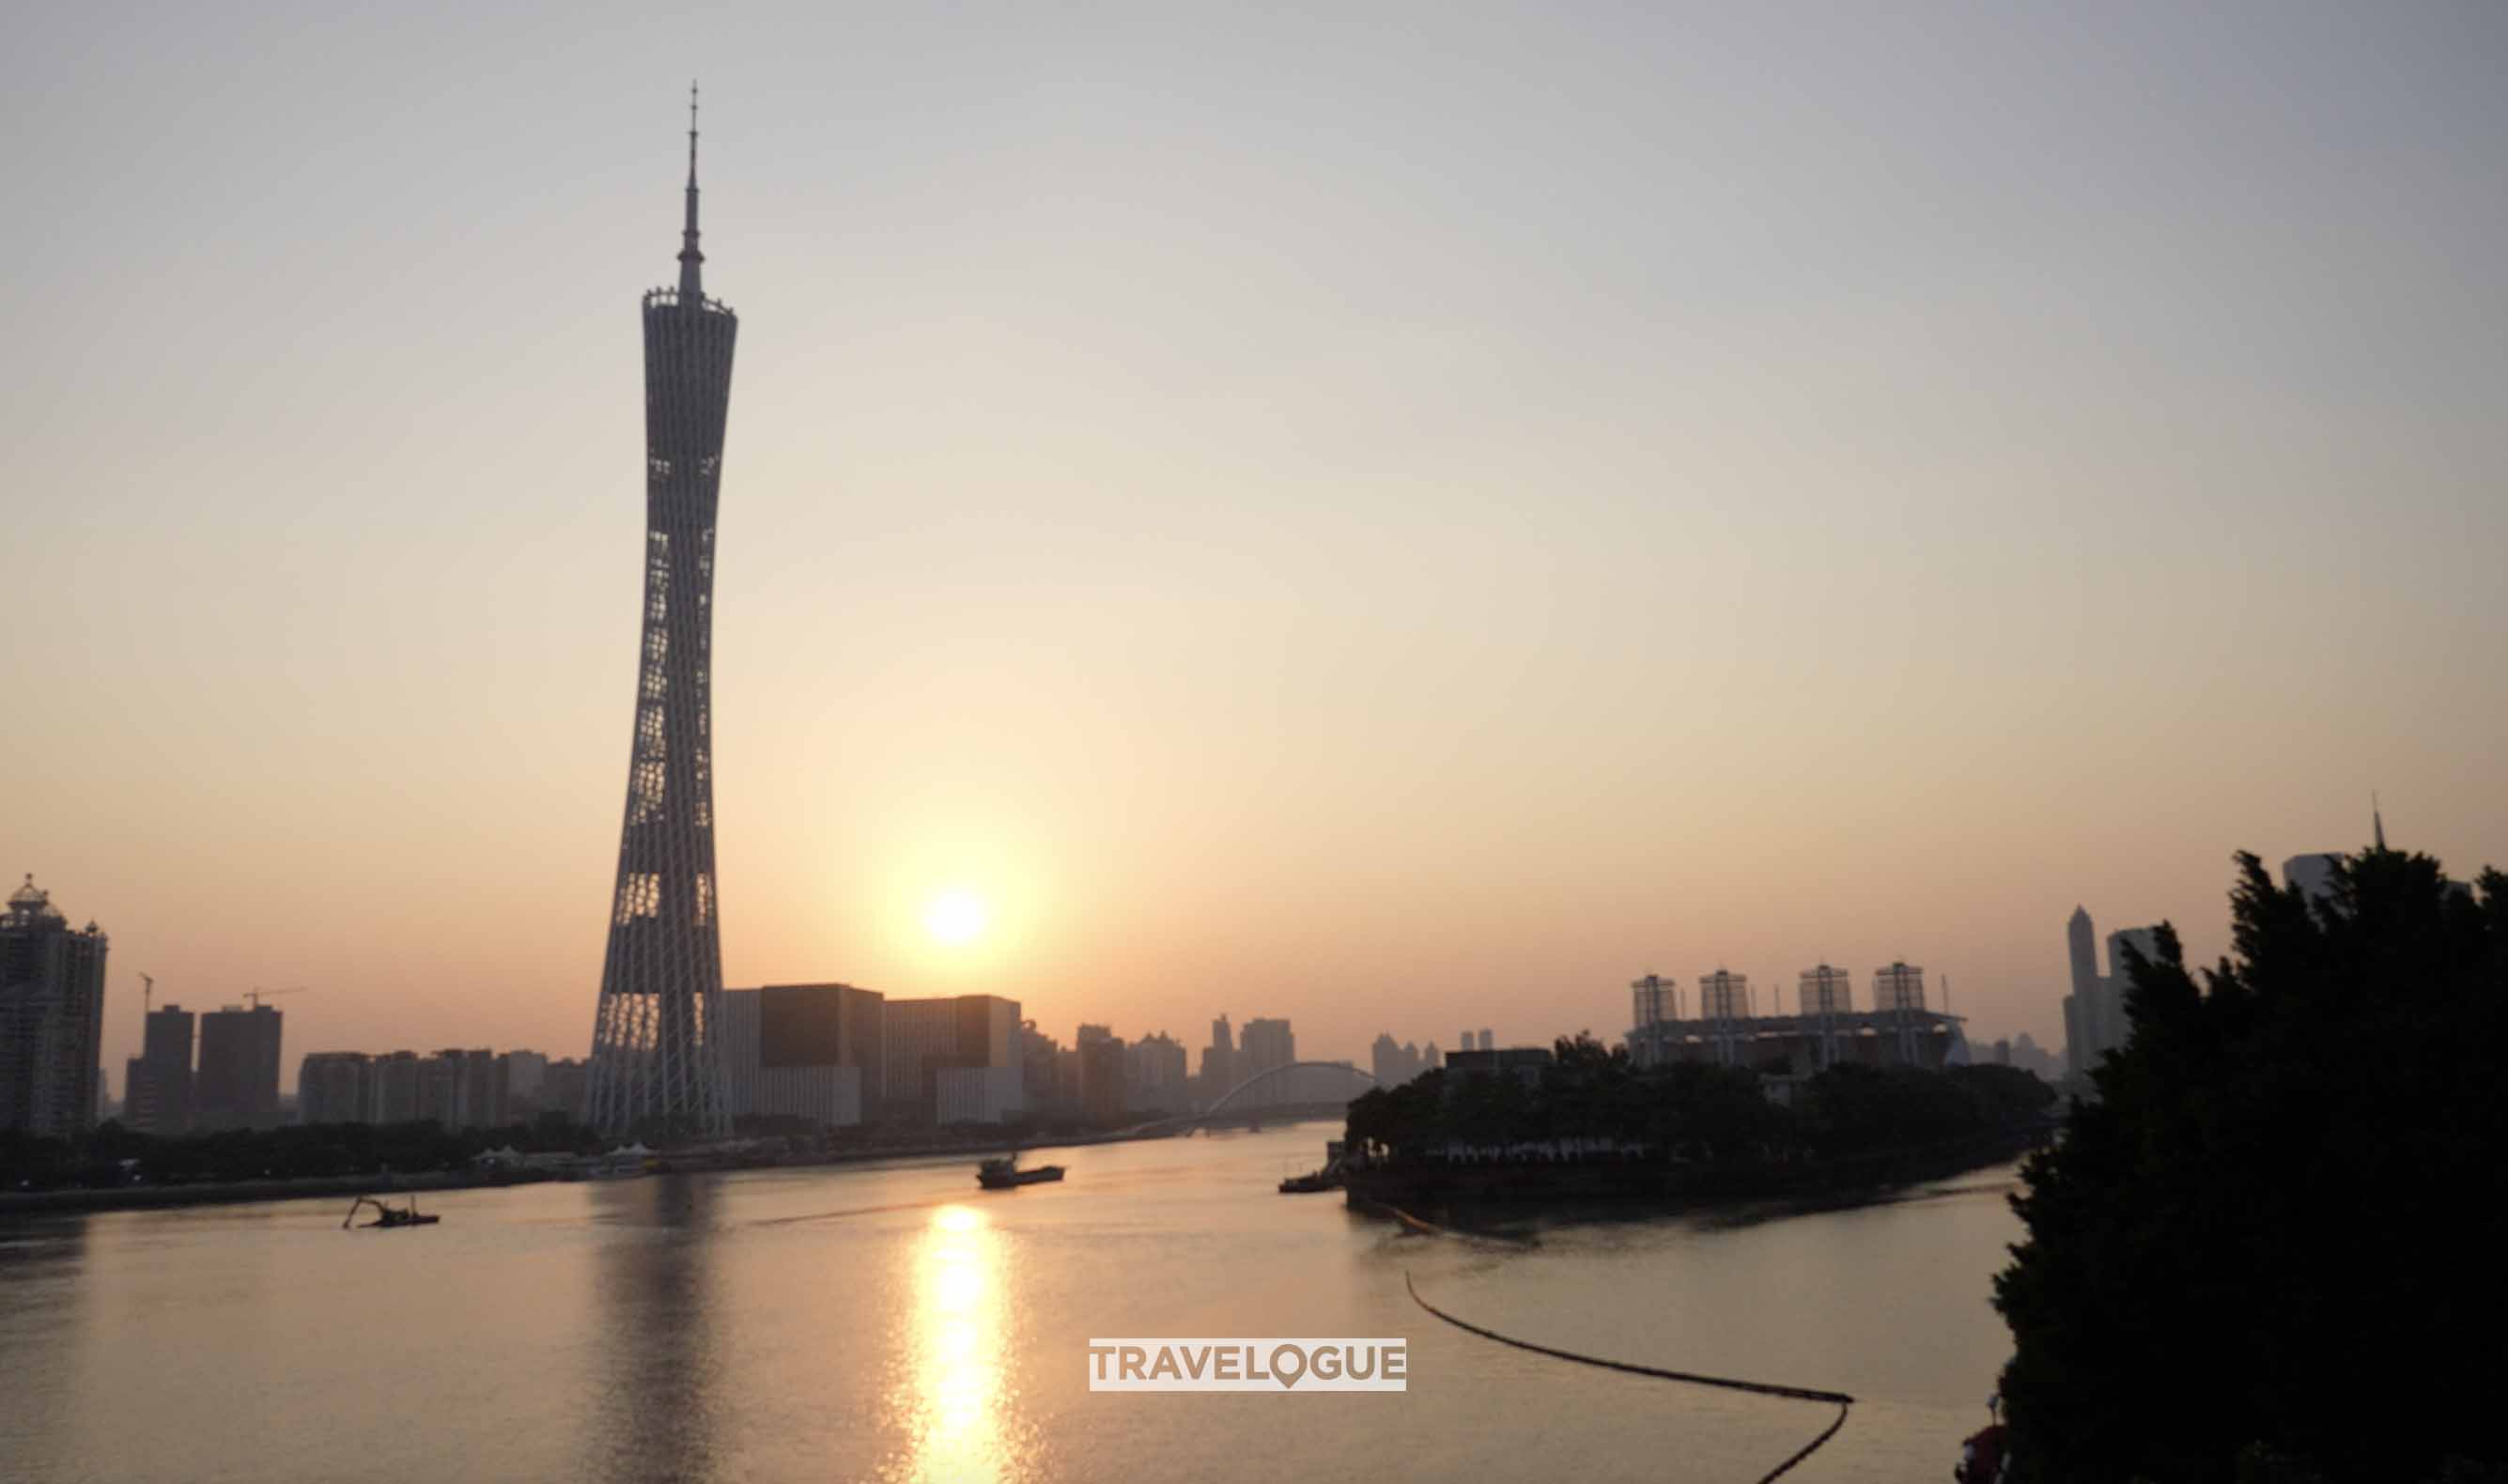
(955, 917)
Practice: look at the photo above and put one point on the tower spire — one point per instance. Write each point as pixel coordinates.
(692, 283)
(2376, 821)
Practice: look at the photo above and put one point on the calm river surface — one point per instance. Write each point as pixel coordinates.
(892, 1322)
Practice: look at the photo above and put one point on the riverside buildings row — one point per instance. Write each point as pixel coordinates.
(456, 1087)
(829, 1055)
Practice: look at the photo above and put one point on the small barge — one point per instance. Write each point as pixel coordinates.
(1003, 1173)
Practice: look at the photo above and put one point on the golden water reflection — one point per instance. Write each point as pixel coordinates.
(961, 1408)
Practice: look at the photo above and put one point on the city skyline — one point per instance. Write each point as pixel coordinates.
(1637, 580)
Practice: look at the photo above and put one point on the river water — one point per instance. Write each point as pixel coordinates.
(893, 1322)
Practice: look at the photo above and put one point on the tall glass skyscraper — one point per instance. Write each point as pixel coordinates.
(655, 1063)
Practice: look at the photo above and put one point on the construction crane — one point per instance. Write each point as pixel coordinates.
(259, 995)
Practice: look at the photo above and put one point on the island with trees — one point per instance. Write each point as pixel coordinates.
(1592, 1125)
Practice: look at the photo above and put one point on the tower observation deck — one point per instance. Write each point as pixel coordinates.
(655, 1053)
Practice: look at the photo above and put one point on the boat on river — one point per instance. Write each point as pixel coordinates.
(1003, 1173)
(1329, 1178)
(389, 1217)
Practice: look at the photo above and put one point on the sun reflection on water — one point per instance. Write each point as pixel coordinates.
(959, 1409)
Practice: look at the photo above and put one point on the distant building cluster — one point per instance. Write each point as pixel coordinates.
(456, 1087)
(1104, 1078)
(2024, 1052)
(1898, 1029)
(2094, 1019)
(1393, 1064)
(52, 1018)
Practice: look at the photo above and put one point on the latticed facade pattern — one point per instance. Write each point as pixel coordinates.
(655, 1061)
(1899, 987)
(1826, 990)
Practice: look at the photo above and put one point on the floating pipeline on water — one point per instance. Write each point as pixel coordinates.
(1421, 1228)
(1841, 1400)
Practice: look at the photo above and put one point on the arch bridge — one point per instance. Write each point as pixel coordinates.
(1186, 1122)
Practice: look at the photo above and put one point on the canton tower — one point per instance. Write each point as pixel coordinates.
(655, 1059)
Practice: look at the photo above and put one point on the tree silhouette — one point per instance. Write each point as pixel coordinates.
(2269, 1250)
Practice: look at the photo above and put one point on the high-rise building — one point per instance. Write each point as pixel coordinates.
(2082, 1008)
(2081, 943)
(653, 1062)
(1266, 1044)
(335, 1088)
(567, 1088)
(157, 1083)
(439, 1089)
(2094, 1014)
(1393, 1064)
(395, 1088)
(483, 1089)
(52, 1018)
(803, 1051)
(1263, 1045)
(463, 1088)
(1157, 1064)
(1219, 1063)
(920, 1040)
(237, 1086)
(1102, 1075)
(522, 1072)
(1042, 1086)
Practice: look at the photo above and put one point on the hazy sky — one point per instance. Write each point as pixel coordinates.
(1394, 516)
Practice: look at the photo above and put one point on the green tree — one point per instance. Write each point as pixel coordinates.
(2270, 1247)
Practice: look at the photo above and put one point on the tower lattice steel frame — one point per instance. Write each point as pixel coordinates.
(655, 1058)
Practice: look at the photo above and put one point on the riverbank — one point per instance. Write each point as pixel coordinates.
(72, 1199)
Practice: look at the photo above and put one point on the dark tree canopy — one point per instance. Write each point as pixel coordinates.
(1694, 1111)
(2270, 1250)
